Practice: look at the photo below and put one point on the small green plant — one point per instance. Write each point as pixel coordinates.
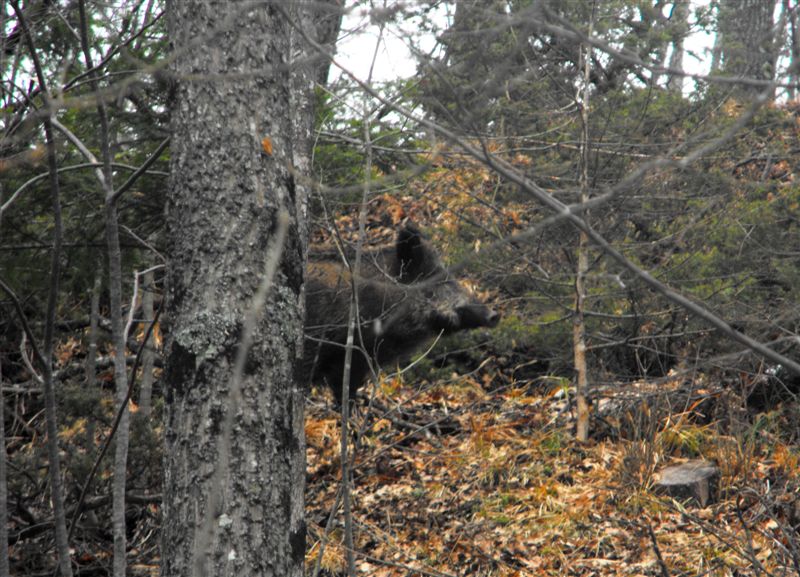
(552, 444)
(684, 440)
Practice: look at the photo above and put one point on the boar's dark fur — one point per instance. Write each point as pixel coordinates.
(405, 298)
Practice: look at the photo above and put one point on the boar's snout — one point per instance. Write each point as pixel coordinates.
(473, 316)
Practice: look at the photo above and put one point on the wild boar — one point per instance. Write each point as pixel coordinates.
(405, 298)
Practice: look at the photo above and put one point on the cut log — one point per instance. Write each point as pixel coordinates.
(694, 482)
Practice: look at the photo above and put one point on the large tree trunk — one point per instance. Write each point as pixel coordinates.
(794, 51)
(236, 135)
(746, 43)
(326, 17)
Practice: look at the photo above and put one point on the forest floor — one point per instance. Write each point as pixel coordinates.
(464, 478)
(478, 473)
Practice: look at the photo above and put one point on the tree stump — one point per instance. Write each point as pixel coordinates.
(695, 481)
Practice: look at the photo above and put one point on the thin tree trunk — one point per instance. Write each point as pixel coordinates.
(680, 28)
(578, 321)
(239, 130)
(91, 349)
(51, 419)
(115, 313)
(121, 389)
(148, 354)
(716, 55)
(794, 51)
(345, 408)
(4, 567)
(353, 319)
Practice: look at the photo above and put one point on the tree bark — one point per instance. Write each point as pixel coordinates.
(120, 388)
(4, 566)
(793, 70)
(91, 350)
(579, 321)
(747, 47)
(106, 179)
(240, 128)
(327, 20)
(680, 29)
(48, 345)
(149, 353)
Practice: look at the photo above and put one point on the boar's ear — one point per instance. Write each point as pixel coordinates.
(414, 256)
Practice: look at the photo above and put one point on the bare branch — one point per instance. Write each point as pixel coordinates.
(509, 172)
(135, 297)
(24, 323)
(83, 149)
(568, 31)
(121, 410)
(139, 171)
(23, 353)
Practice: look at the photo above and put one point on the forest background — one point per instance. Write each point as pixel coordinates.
(634, 218)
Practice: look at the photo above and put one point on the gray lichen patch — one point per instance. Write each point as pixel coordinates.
(208, 335)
